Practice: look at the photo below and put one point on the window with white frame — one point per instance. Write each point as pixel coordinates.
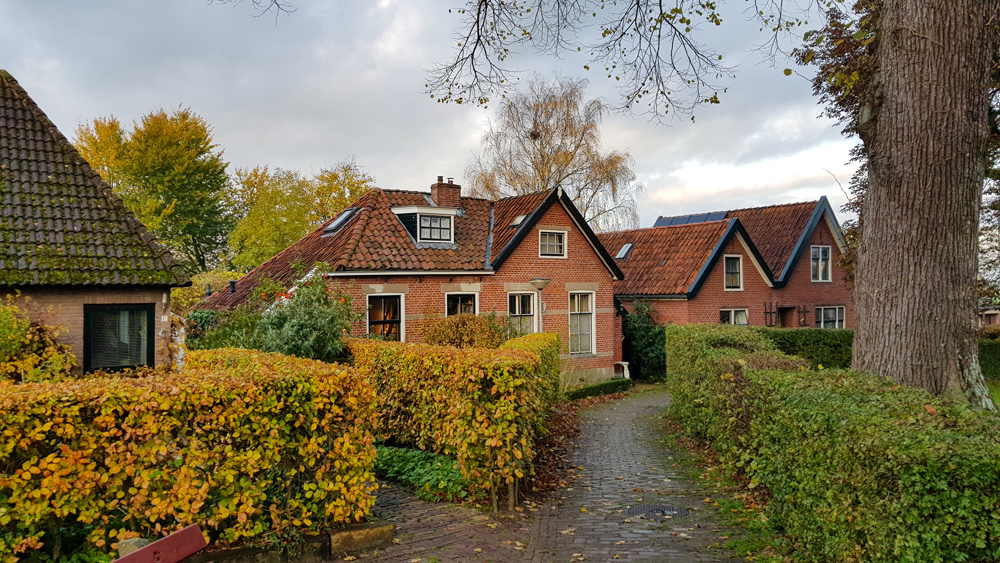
(581, 323)
(821, 263)
(830, 317)
(734, 272)
(385, 316)
(734, 317)
(521, 312)
(460, 304)
(552, 244)
(435, 228)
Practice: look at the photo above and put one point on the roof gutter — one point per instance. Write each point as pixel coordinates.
(668, 296)
(353, 274)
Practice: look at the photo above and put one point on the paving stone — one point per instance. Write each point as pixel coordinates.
(619, 463)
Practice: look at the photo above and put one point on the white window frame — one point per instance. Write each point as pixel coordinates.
(474, 294)
(725, 257)
(593, 322)
(534, 307)
(451, 230)
(402, 312)
(565, 245)
(841, 316)
(829, 263)
(732, 315)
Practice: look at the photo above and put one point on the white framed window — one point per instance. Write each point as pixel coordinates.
(521, 312)
(733, 265)
(737, 317)
(821, 263)
(461, 304)
(552, 244)
(830, 317)
(434, 228)
(581, 323)
(386, 316)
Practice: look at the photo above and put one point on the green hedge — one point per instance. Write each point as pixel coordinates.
(859, 469)
(827, 348)
(645, 340)
(485, 407)
(989, 358)
(434, 477)
(614, 385)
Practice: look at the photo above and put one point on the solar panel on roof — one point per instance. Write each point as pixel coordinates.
(689, 219)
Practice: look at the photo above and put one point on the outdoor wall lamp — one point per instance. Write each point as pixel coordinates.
(539, 284)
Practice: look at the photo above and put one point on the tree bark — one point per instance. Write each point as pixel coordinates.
(926, 137)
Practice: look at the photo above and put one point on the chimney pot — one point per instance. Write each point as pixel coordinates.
(208, 290)
(232, 286)
(440, 179)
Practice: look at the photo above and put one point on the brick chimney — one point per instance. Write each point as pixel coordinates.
(446, 194)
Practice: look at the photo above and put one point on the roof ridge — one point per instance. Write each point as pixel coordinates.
(637, 229)
(788, 204)
(358, 230)
(546, 191)
(417, 192)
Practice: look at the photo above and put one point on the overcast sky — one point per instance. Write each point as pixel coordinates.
(345, 78)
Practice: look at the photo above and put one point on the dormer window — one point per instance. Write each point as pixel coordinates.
(435, 228)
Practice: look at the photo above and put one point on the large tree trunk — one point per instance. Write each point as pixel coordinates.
(926, 140)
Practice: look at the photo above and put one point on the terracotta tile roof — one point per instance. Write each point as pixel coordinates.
(775, 229)
(60, 224)
(374, 239)
(505, 211)
(663, 260)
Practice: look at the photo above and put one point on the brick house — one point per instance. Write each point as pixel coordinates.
(762, 266)
(409, 258)
(70, 249)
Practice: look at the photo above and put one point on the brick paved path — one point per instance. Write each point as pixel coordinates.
(620, 464)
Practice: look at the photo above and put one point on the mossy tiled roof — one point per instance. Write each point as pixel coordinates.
(60, 224)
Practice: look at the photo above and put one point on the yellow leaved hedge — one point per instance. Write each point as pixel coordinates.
(485, 407)
(254, 447)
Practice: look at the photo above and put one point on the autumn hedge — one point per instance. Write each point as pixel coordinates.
(857, 468)
(483, 406)
(254, 447)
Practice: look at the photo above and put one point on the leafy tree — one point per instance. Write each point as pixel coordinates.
(337, 187)
(168, 172)
(273, 210)
(182, 299)
(549, 136)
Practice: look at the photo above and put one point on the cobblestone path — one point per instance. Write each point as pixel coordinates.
(622, 469)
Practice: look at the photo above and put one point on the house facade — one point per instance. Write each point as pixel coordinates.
(765, 266)
(71, 252)
(410, 258)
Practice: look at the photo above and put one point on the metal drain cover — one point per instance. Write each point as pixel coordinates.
(657, 511)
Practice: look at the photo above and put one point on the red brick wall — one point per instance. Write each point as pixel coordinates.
(63, 307)
(581, 270)
(799, 291)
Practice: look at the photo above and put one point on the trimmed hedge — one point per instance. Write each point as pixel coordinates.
(614, 385)
(827, 348)
(859, 469)
(989, 358)
(254, 447)
(485, 407)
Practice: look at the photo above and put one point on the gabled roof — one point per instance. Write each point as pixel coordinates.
(780, 232)
(60, 224)
(372, 240)
(674, 261)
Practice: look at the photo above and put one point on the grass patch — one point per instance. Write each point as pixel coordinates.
(433, 477)
(994, 386)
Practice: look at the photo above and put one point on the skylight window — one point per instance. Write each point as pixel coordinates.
(517, 220)
(340, 221)
(624, 251)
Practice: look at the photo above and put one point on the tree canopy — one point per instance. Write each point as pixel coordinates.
(273, 209)
(548, 136)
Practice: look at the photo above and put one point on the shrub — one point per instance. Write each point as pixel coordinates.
(434, 477)
(484, 407)
(989, 358)
(827, 348)
(989, 332)
(307, 322)
(254, 447)
(467, 331)
(29, 351)
(858, 469)
(614, 385)
(646, 341)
